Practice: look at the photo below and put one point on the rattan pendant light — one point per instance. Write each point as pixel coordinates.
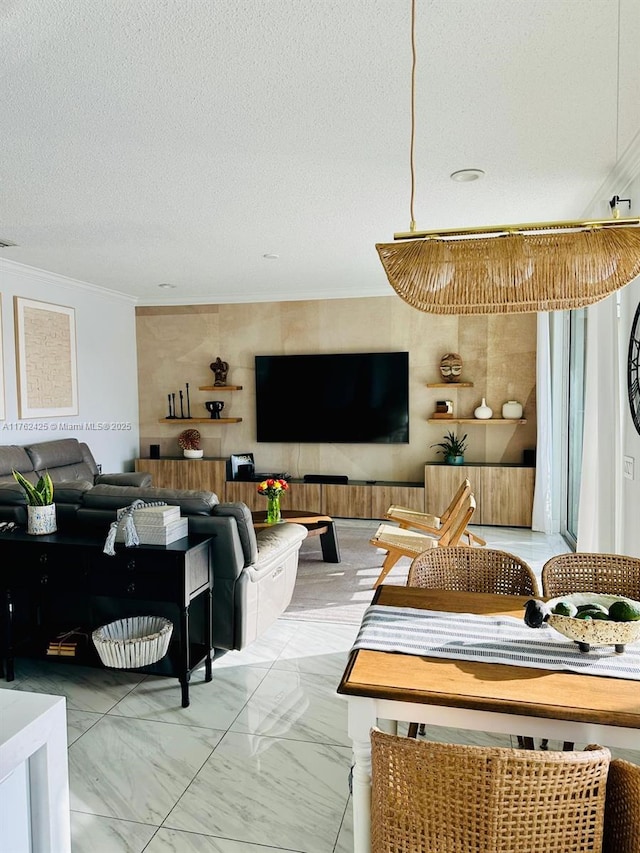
(502, 269)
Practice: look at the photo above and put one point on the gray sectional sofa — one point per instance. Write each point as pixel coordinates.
(254, 572)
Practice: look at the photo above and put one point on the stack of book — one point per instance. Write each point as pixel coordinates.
(444, 409)
(61, 649)
(157, 525)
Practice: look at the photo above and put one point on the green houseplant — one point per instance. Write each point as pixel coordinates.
(452, 448)
(41, 510)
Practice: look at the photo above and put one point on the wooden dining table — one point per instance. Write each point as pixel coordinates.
(385, 686)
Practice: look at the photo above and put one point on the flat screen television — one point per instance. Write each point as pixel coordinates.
(336, 398)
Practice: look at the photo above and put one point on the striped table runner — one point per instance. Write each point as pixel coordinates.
(487, 639)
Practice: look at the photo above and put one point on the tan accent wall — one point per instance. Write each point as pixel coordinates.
(177, 344)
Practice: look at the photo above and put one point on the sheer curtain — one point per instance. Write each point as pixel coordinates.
(599, 516)
(546, 497)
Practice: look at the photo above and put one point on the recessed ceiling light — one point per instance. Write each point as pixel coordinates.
(271, 256)
(167, 286)
(465, 175)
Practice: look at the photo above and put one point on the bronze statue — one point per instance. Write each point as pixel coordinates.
(220, 369)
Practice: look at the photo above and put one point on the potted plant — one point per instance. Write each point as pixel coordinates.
(41, 510)
(452, 448)
(189, 441)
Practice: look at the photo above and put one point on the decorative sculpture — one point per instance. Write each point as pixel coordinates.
(451, 367)
(220, 369)
(214, 407)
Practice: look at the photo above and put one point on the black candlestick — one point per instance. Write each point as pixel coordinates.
(170, 416)
(173, 398)
(188, 403)
(181, 405)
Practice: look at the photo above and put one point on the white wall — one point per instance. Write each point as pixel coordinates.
(107, 367)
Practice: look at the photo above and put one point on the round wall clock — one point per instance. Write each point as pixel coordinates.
(633, 370)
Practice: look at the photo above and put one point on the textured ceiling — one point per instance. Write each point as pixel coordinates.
(179, 141)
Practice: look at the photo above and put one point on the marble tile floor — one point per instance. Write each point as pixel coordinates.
(258, 763)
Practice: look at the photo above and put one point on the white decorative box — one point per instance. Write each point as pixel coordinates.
(153, 514)
(156, 534)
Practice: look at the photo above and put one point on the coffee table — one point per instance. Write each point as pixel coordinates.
(316, 524)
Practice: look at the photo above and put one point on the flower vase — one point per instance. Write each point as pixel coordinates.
(273, 510)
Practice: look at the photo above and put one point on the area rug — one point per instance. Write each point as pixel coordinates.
(341, 592)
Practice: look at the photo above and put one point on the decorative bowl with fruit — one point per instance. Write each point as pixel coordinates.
(589, 618)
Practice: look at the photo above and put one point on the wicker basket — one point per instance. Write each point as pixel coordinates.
(133, 642)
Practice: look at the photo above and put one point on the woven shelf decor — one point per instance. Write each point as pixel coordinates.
(512, 273)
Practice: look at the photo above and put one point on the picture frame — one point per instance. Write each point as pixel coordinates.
(3, 412)
(241, 462)
(46, 359)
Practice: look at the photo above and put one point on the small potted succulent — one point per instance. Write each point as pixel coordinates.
(452, 448)
(41, 510)
(189, 441)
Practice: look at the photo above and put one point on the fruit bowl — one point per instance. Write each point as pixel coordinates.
(594, 632)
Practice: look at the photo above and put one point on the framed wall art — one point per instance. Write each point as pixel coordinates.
(46, 359)
(2, 408)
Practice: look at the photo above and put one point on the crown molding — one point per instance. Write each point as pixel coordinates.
(45, 277)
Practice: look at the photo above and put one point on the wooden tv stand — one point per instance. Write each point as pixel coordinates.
(503, 491)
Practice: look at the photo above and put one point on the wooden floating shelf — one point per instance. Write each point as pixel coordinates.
(449, 384)
(200, 420)
(479, 421)
(219, 387)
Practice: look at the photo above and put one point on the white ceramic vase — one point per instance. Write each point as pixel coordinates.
(512, 409)
(483, 412)
(41, 520)
(193, 454)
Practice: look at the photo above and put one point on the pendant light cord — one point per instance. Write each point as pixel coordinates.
(412, 226)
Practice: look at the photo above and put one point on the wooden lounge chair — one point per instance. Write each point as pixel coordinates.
(432, 524)
(399, 542)
(443, 796)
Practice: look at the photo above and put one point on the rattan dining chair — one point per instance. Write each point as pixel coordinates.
(407, 518)
(622, 808)
(608, 574)
(473, 570)
(399, 542)
(455, 798)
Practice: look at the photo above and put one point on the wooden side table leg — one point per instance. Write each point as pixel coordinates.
(329, 544)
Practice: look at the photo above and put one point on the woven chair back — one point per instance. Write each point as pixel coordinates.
(622, 810)
(607, 574)
(473, 570)
(461, 799)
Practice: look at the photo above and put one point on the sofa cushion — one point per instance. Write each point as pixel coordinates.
(191, 502)
(55, 454)
(244, 522)
(15, 458)
(70, 491)
(11, 494)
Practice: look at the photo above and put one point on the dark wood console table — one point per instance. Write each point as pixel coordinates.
(52, 584)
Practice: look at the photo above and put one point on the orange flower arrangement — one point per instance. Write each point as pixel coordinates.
(273, 488)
